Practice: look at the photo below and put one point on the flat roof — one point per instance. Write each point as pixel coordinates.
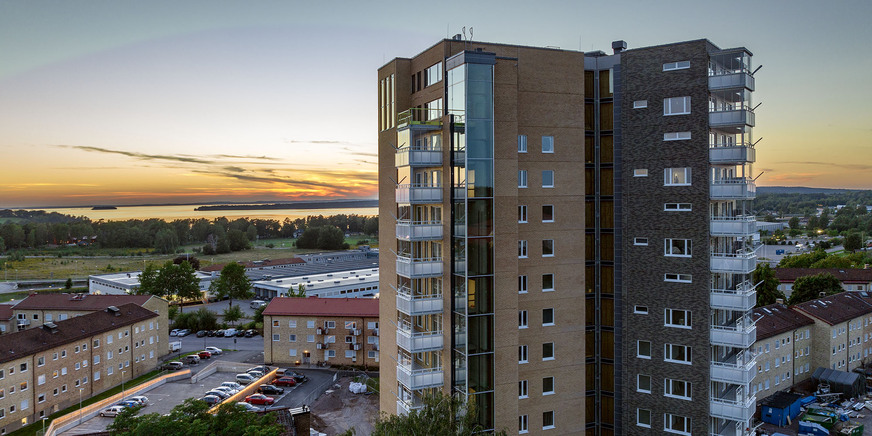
(27, 342)
(257, 263)
(78, 301)
(314, 306)
(321, 281)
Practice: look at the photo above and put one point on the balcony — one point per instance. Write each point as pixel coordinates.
(742, 116)
(418, 158)
(405, 407)
(739, 370)
(419, 193)
(428, 118)
(740, 79)
(735, 410)
(740, 153)
(408, 230)
(741, 299)
(418, 268)
(738, 188)
(419, 378)
(740, 334)
(743, 225)
(735, 263)
(23, 322)
(414, 305)
(418, 342)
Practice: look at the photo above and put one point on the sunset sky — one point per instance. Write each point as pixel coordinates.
(129, 102)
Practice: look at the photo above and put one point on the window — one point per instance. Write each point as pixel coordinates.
(96, 375)
(54, 356)
(522, 178)
(64, 371)
(522, 354)
(275, 323)
(676, 424)
(642, 310)
(330, 324)
(676, 136)
(640, 104)
(23, 386)
(547, 144)
(522, 423)
(522, 284)
(640, 241)
(110, 370)
(643, 418)
(23, 367)
(547, 385)
(677, 318)
(643, 349)
(310, 324)
(292, 323)
(677, 389)
(677, 207)
(40, 380)
(548, 213)
(548, 420)
(522, 389)
(676, 106)
(676, 177)
(643, 383)
(547, 178)
(522, 319)
(275, 338)
(522, 143)
(522, 249)
(548, 351)
(640, 172)
(676, 353)
(522, 214)
(292, 338)
(547, 282)
(433, 74)
(679, 278)
(548, 316)
(96, 343)
(681, 65)
(40, 361)
(108, 355)
(677, 247)
(547, 248)
(310, 338)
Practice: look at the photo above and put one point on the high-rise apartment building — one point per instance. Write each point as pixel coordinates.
(544, 219)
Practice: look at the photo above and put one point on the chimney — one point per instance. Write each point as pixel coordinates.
(50, 327)
(619, 46)
(113, 310)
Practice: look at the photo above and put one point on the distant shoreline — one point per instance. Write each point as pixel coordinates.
(296, 205)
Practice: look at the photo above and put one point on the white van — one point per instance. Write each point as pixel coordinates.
(255, 304)
(229, 333)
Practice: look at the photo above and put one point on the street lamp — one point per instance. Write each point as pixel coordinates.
(122, 384)
(43, 425)
(80, 405)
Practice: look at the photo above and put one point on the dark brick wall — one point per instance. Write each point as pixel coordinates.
(643, 78)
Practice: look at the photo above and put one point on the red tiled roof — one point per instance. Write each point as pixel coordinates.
(256, 264)
(776, 319)
(845, 275)
(5, 312)
(835, 309)
(78, 301)
(314, 306)
(26, 342)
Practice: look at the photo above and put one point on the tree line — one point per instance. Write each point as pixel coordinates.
(796, 203)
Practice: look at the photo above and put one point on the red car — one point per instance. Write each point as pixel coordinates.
(204, 355)
(261, 399)
(284, 381)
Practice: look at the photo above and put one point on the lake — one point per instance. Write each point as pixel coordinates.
(174, 212)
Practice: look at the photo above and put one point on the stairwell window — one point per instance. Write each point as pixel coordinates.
(522, 178)
(677, 207)
(547, 248)
(677, 247)
(522, 214)
(678, 278)
(547, 144)
(522, 249)
(548, 178)
(643, 383)
(522, 284)
(681, 65)
(640, 104)
(522, 143)
(643, 349)
(676, 106)
(676, 176)
(676, 136)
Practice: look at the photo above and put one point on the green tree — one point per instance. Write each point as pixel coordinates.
(206, 319)
(802, 260)
(767, 290)
(232, 283)
(69, 283)
(238, 240)
(166, 241)
(440, 416)
(810, 287)
(2, 245)
(793, 223)
(853, 242)
(180, 281)
(148, 281)
(173, 312)
(232, 314)
(322, 237)
(258, 314)
(193, 417)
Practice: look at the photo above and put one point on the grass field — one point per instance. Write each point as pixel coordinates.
(80, 267)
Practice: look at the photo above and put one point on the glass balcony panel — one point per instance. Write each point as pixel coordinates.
(736, 263)
(736, 117)
(732, 81)
(415, 378)
(419, 230)
(733, 189)
(734, 410)
(743, 225)
(741, 334)
(419, 193)
(418, 341)
(418, 158)
(741, 299)
(738, 369)
(414, 305)
(732, 154)
(415, 268)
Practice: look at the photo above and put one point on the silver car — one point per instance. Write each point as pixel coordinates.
(112, 411)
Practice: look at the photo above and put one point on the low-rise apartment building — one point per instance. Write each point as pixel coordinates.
(7, 319)
(339, 331)
(783, 349)
(852, 279)
(47, 369)
(841, 322)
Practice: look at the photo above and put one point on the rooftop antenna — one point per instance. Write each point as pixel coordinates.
(470, 33)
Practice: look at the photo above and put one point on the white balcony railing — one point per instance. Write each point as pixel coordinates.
(739, 372)
(408, 230)
(418, 158)
(734, 410)
(731, 81)
(414, 267)
(736, 263)
(419, 193)
(740, 299)
(405, 407)
(741, 334)
(733, 189)
(422, 378)
(732, 154)
(744, 225)
(415, 305)
(418, 342)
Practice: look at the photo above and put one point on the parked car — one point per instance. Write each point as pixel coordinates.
(141, 399)
(173, 366)
(128, 403)
(225, 389)
(270, 389)
(260, 399)
(285, 381)
(112, 411)
(211, 399)
(250, 333)
(184, 332)
(248, 407)
(298, 377)
(245, 379)
(214, 350)
(256, 304)
(205, 354)
(192, 359)
(262, 368)
(201, 334)
(174, 332)
(240, 333)
(255, 373)
(232, 385)
(217, 393)
(219, 333)
(175, 346)
(229, 333)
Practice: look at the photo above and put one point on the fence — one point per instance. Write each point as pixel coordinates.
(72, 419)
(246, 391)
